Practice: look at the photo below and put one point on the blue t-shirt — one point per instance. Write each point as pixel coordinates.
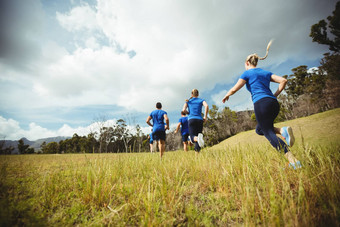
(184, 124)
(195, 108)
(258, 81)
(151, 137)
(158, 120)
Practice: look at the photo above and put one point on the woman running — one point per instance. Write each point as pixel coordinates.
(266, 106)
(194, 106)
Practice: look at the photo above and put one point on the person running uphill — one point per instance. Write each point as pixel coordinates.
(194, 106)
(183, 124)
(266, 106)
(158, 116)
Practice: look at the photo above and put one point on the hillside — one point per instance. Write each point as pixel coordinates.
(316, 129)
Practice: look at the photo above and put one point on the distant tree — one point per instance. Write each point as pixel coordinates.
(75, 140)
(330, 66)
(92, 143)
(225, 123)
(62, 146)
(296, 83)
(30, 150)
(123, 133)
(138, 139)
(328, 33)
(320, 31)
(213, 112)
(106, 137)
(52, 148)
(5, 150)
(43, 147)
(22, 147)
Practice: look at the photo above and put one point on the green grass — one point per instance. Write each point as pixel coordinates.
(241, 181)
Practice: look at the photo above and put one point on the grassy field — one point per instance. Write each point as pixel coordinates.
(241, 181)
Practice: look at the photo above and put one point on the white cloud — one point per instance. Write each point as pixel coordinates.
(11, 130)
(80, 18)
(92, 43)
(313, 70)
(8, 127)
(179, 45)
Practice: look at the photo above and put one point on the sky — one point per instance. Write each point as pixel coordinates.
(67, 65)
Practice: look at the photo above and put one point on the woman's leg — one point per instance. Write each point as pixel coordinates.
(195, 127)
(266, 110)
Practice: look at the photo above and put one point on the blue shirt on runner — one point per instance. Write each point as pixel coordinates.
(158, 120)
(184, 125)
(258, 81)
(195, 108)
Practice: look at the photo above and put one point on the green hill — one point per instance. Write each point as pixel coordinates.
(318, 129)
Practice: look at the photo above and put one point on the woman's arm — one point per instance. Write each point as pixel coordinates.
(184, 109)
(281, 81)
(240, 83)
(205, 104)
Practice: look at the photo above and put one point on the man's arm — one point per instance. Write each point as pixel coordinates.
(167, 122)
(148, 121)
(178, 127)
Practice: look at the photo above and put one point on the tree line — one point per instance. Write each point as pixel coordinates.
(307, 92)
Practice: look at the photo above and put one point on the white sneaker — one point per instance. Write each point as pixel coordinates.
(288, 135)
(200, 140)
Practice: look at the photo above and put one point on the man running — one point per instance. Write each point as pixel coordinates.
(158, 116)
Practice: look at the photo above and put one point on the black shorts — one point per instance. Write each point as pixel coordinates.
(185, 137)
(195, 127)
(159, 135)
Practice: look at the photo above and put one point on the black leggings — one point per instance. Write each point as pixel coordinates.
(266, 110)
(195, 127)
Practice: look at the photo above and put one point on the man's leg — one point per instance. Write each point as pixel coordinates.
(161, 147)
(185, 144)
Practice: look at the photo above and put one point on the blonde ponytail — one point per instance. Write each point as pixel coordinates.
(268, 46)
(253, 58)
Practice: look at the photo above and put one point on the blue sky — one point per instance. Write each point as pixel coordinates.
(66, 64)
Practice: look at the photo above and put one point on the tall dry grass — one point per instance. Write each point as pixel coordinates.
(229, 184)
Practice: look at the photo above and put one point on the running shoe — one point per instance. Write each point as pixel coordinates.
(288, 135)
(296, 165)
(200, 140)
